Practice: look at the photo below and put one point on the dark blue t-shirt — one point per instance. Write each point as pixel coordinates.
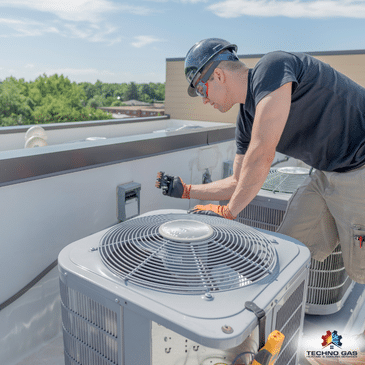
(326, 124)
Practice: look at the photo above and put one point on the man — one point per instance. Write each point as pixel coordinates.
(297, 105)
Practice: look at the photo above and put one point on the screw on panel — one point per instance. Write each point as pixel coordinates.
(227, 329)
(207, 296)
(92, 249)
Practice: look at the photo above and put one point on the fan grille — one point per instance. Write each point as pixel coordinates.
(233, 255)
(285, 180)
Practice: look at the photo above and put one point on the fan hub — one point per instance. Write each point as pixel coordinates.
(183, 230)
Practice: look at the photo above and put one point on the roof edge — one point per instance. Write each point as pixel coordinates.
(315, 53)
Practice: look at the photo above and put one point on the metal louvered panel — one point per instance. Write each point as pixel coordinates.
(328, 280)
(200, 254)
(325, 297)
(89, 330)
(329, 284)
(261, 217)
(77, 352)
(89, 310)
(289, 321)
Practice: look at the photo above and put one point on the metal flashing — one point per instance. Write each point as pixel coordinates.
(23, 165)
(312, 53)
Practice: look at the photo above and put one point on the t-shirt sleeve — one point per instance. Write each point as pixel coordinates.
(273, 70)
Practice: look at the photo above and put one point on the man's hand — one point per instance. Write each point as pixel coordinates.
(172, 186)
(212, 209)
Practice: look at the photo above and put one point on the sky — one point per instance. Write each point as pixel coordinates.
(130, 40)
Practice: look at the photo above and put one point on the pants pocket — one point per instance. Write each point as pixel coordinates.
(354, 259)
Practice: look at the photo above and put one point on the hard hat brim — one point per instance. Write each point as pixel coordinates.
(192, 91)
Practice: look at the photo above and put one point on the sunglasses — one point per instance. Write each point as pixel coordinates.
(201, 87)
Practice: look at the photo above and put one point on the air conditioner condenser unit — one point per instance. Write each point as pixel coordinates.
(328, 285)
(172, 288)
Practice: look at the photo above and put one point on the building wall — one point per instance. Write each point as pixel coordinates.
(180, 106)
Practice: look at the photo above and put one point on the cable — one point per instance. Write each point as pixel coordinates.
(28, 286)
(243, 353)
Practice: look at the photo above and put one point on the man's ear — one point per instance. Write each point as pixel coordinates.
(219, 75)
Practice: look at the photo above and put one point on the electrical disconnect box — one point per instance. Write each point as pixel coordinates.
(227, 168)
(128, 200)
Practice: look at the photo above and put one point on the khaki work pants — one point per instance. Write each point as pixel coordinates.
(329, 208)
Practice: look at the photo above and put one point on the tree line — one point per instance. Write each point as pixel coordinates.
(102, 94)
(55, 99)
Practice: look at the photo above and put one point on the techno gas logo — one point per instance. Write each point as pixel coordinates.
(331, 348)
(331, 339)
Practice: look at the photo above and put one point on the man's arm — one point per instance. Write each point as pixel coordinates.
(221, 189)
(270, 118)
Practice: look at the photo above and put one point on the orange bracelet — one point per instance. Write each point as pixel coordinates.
(186, 193)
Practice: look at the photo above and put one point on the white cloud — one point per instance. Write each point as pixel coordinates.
(90, 32)
(137, 10)
(93, 33)
(83, 19)
(291, 9)
(106, 35)
(23, 28)
(145, 40)
(77, 10)
(194, 1)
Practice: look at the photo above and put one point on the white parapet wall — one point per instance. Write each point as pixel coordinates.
(52, 196)
(12, 138)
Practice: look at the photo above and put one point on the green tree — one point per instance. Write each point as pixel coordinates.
(131, 92)
(160, 91)
(89, 89)
(51, 99)
(15, 108)
(96, 102)
(117, 103)
(121, 91)
(98, 88)
(56, 99)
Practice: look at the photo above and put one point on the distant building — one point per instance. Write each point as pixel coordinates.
(136, 109)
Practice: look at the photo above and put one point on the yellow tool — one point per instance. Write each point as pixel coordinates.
(269, 353)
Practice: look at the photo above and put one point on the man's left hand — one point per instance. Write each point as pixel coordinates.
(212, 209)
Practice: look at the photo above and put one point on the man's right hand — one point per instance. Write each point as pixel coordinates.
(173, 186)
